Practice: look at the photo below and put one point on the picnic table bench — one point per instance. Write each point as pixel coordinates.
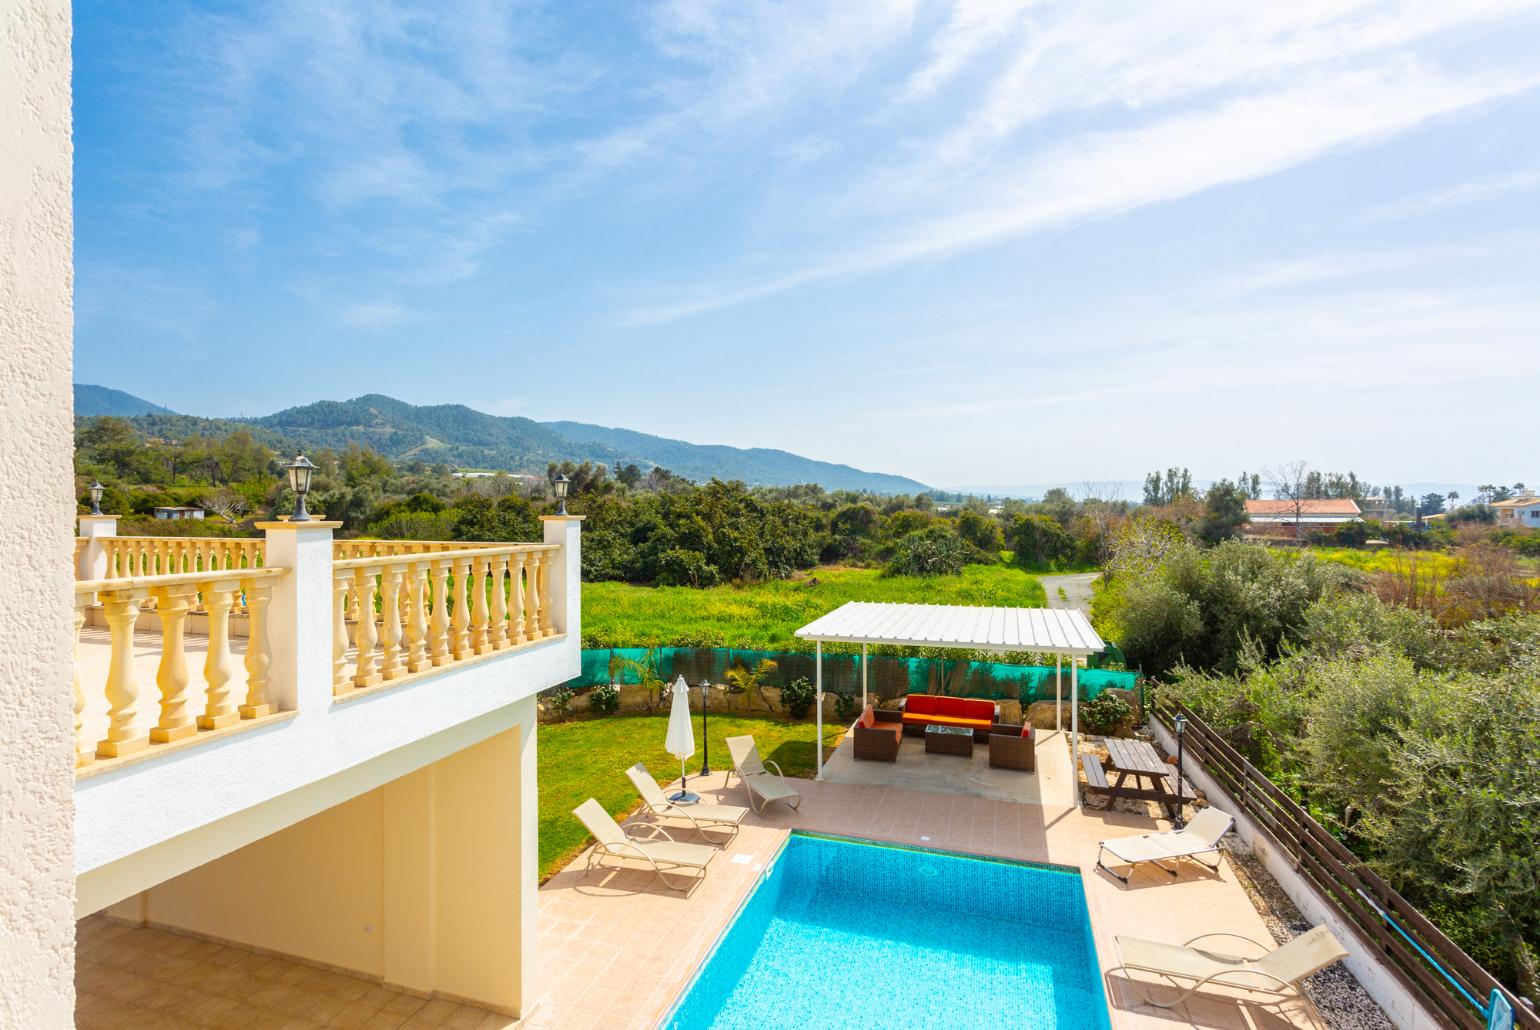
(1137, 760)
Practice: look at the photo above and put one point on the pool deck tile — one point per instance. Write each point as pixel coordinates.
(616, 947)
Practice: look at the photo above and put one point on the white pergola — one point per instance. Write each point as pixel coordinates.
(1056, 631)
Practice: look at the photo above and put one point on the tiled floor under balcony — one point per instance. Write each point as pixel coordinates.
(145, 979)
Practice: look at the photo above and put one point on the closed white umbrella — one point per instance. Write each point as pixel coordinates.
(680, 741)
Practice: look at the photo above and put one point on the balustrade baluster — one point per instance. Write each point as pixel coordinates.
(123, 735)
(340, 633)
(259, 654)
(546, 627)
(364, 635)
(520, 597)
(219, 667)
(438, 625)
(84, 753)
(499, 630)
(460, 642)
(481, 635)
(173, 603)
(390, 621)
(416, 617)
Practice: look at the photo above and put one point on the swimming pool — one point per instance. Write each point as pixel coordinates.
(842, 932)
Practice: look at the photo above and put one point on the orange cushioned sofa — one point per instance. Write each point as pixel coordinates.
(875, 740)
(922, 710)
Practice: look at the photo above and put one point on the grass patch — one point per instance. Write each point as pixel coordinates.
(1390, 559)
(763, 616)
(589, 758)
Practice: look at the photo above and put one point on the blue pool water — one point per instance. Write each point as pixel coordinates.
(845, 933)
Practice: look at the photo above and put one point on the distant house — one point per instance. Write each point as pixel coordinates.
(1377, 508)
(1519, 512)
(1268, 516)
(171, 512)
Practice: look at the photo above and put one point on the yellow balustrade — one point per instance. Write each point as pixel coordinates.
(138, 556)
(400, 613)
(125, 730)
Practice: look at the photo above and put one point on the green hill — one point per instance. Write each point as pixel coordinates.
(103, 400)
(456, 435)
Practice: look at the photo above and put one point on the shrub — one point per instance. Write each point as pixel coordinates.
(561, 701)
(1105, 714)
(798, 696)
(604, 699)
(678, 567)
(937, 551)
(1040, 542)
(844, 707)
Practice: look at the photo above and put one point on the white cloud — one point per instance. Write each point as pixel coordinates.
(372, 314)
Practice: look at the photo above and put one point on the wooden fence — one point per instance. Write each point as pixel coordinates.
(1344, 882)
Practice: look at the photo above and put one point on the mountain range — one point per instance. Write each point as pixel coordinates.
(457, 435)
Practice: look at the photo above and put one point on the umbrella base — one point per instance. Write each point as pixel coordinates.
(684, 797)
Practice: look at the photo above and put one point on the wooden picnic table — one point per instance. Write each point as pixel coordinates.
(1136, 759)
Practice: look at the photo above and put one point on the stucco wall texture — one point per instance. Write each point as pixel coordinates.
(37, 928)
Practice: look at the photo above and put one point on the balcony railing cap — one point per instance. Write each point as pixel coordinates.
(309, 524)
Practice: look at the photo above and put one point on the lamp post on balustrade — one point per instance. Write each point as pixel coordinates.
(95, 490)
(300, 470)
(1180, 821)
(560, 484)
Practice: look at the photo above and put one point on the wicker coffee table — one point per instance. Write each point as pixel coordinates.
(948, 740)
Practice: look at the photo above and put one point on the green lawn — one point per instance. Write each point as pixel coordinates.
(589, 757)
(763, 616)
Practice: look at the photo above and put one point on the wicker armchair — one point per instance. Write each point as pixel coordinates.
(877, 736)
(1011, 748)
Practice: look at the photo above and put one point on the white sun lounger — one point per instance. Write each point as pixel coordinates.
(1276, 974)
(662, 855)
(1201, 837)
(763, 784)
(700, 815)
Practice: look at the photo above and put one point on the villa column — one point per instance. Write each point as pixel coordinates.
(92, 563)
(1074, 724)
(299, 617)
(818, 703)
(564, 571)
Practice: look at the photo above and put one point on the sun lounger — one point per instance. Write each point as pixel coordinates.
(1276, 974)
(662, 855)
(763, 784)
(1201, 837)
(700, 815)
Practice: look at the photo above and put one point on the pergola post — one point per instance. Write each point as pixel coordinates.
(818, 695)
(863, 677)
(1058, 693)
(1074, 723)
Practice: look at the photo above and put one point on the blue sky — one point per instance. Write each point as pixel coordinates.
(977, 243)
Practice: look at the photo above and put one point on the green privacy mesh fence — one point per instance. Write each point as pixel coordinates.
(886, 676)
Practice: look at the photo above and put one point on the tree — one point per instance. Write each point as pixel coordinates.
(1224, 512)
(1039, 541)
(1432, 504)
(1160, 492)
(982, 533)
(227, 504)
(1291, 482)
(937, 551)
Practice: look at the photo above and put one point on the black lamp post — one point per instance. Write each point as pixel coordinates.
(1180, 821)
(560, 485)
(705, 726)
(95, 490)
(299, 481)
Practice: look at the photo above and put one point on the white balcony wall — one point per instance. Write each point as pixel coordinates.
(144, 823)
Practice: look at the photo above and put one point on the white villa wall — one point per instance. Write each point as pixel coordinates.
(1404, 1010)
(37, 932)
(144, 824)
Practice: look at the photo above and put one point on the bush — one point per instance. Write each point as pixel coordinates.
(561, 701)
(936, 551)
(797, 697)
(1105, 714)
(844, 707)
(604, 699)
(678, 567)
(1040, 542)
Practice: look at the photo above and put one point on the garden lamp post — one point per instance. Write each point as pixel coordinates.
(299, 481)
(95, 490)
(705, 729)
(1181, 729)
(560, 485)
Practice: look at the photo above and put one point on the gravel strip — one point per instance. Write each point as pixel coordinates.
(1341, 999)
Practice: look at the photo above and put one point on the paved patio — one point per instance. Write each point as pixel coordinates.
(616, 948)
(1051, 784)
